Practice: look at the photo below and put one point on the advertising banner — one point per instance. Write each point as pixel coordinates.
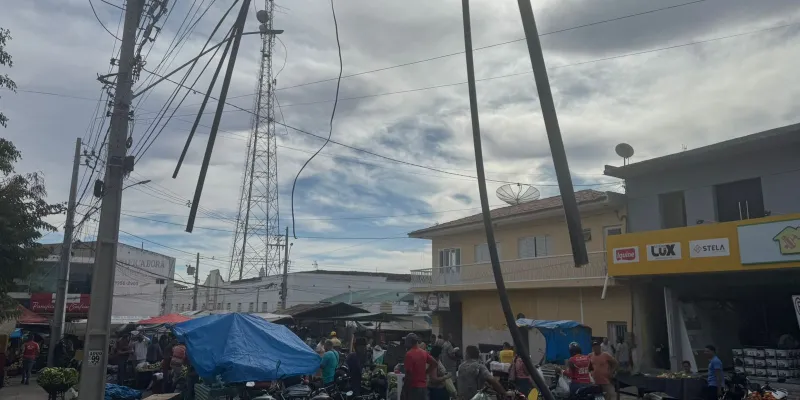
(142, 283)
(44, 303)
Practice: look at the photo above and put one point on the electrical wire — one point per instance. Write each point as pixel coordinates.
(489, 46)
(333, 114)
(101, 22)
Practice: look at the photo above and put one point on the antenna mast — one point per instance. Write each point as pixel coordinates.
(257, 239)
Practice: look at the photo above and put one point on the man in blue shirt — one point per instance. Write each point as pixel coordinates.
(330, 360)
(715, 378)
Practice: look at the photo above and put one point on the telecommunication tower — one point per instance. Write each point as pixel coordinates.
(257, 238)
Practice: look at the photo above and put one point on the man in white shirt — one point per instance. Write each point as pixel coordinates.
(140, 344)
(605, 347)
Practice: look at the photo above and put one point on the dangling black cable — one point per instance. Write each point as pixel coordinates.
(333, 113)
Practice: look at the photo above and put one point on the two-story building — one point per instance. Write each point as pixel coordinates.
(712, 252)
(537, 266)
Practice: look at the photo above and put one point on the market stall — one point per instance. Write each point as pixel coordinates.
(234, 348)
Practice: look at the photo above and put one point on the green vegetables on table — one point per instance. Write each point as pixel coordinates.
(62, 377)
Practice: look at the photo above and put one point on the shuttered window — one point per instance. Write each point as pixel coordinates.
(482, 253)
(533, 246)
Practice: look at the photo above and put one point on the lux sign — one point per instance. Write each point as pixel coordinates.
(664, 251)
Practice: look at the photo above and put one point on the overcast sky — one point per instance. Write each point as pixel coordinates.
(608, 85)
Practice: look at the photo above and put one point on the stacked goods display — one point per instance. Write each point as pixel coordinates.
(767, 363)
(57, 380)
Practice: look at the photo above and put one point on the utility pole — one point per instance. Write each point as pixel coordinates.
(63, 268)
(196, 274)
(285, 279)
(93, 373)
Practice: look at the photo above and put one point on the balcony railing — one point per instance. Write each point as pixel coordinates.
(539, 269)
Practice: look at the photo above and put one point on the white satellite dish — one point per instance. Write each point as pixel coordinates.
(516, 194)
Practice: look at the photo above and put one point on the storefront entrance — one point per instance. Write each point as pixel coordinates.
(732, 311)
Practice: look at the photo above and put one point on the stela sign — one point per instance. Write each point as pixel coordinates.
(44, 303)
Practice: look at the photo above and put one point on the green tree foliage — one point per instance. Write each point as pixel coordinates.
(5, 59)
(22, 209)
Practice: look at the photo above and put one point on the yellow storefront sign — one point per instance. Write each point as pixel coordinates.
(763, 243)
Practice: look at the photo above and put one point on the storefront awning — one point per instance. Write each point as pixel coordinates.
(164, 319)
(28, 317)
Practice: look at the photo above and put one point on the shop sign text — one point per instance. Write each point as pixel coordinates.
(709, 248)
(624, 255)
(771, 242)
(664, 251)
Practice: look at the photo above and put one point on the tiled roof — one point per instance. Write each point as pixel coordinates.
(550, 203)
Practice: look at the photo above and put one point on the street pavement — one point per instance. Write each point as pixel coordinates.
(17, 391)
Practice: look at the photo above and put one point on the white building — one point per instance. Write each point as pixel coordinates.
(262, 294)
(143, 282)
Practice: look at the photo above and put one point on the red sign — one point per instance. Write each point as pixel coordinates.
(44, 303)
(626, 255)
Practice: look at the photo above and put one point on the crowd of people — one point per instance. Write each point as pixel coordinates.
(134, 348)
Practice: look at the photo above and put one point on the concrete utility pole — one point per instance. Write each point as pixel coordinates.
(285, 279)
(57, 330)
(196, 274)
(93, 373)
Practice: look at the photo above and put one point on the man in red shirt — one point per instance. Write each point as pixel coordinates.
(419, 365)
(30, 350)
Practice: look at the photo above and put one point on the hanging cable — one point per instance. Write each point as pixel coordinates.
(333, 113)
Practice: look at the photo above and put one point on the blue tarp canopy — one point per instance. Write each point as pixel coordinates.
(243, 348)
(559, 334)
(16, 334)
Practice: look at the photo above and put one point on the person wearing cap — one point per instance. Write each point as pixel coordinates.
(329, 363)
(419, 365)
(337, 344)
(602, 367)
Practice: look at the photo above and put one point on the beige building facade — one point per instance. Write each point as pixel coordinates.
(536, 260)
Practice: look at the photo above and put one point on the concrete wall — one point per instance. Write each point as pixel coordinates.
(509, 235)
(304, 288)
(483, 320)
(779, 171)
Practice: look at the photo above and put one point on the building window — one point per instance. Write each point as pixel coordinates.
(673, 210)
(449, 257)
(482, 253)
(250, 307)
(534, 246)
(228, 306)
(587, 235)
(264, 307)
(239, 307)
(219, 306)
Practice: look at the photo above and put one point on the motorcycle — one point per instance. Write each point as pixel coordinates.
(589, 392)
(739, 387)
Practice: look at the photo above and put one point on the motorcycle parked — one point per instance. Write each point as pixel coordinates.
(739, 387)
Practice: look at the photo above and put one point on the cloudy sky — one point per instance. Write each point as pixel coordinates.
(691, 75)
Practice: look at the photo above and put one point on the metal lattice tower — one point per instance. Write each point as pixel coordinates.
(257, 237)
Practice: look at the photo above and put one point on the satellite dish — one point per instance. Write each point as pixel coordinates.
(262, 16)
(516, 194)
(625, 151)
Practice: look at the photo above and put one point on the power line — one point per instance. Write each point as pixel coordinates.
(333, 114)
(487, 47)
(101, 22)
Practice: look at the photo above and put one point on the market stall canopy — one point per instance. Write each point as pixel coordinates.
(274, 318)
(16, 334)
(242, 348)
(165, 319)
(559, 334)
(28, 317)
(401, 323)
(368, 317)
(322, 311)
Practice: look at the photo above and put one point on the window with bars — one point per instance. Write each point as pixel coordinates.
(228, 307)
(219, 306)
(250, 307)
(534, 246)
(239, 307)
(482, 253)
(264, 307)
